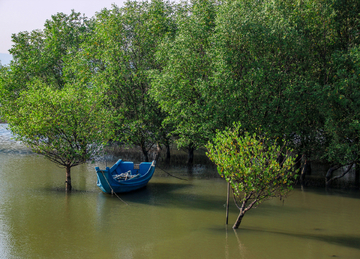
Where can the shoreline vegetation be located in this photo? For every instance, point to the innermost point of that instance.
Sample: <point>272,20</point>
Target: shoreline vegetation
<point>205,168</point>
<point>152,72</point>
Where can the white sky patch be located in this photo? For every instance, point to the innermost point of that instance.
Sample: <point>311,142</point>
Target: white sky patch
<point>25,15</point>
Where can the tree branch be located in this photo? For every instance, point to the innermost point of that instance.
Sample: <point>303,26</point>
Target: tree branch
<point>328,181</point>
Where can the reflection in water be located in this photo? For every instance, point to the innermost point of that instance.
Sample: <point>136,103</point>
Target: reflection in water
<point>241,246</point>
<point>170,218</point>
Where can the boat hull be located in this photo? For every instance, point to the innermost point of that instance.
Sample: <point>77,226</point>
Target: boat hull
<point>107,183</point>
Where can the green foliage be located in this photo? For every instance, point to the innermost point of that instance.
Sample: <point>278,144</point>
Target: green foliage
<point>289,68</point>
<point>342,108</point>
<point>256,167</point>
<point>67,126</point>
<point>335,52</point>
<point>120,55</point>
<point>43,54</point>
<point>274,65</point>
<point>47,108</point>
<point>262,64</point>
<point>182,86</point>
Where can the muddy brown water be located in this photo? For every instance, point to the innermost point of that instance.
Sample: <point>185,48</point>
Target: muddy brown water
<point>170,218</point>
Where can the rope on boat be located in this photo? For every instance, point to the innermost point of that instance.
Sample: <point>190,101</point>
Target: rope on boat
<point>171,174</point>
<point>112,191</point>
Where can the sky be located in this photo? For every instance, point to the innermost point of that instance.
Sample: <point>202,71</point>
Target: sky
<point>28,15</point>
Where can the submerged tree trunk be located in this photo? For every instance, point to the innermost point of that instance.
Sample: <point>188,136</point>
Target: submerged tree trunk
<point>227,203</point>
<point>328,177</point>
<point>238,220</point>
<point>167,145</point>
<point>242,211</point>
<point>245,206</point>
<point>330,172</point>
<point>191,150</point>
<point>68,186</point>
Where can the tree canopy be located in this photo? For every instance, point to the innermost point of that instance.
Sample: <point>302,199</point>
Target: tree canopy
<point>282,66</point>
<point>122,50</point>
<point>185,71</point>
<point>68,126</point>
<point>257,167</point>
<point>54,112</point>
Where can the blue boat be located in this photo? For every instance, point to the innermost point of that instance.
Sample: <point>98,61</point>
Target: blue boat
<point>124,176</point>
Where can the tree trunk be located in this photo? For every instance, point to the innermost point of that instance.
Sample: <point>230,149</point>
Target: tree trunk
<point>306,170</point>
<point>308,167</point>
<point>167,151</point>
<point>145,152</point>
<point>239,219</point>
<point>190,153</point>
<point>328,177</point>
<point>158,150</point>
<point>330,172</point>
<point>68,186</point>
<point>146,155</point>
<point>227,203</point>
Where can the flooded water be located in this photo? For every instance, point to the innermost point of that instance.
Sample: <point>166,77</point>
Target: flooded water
<point>170,218</point>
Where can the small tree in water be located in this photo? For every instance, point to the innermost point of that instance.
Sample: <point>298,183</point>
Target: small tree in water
<point>256,167</point>
<point>68,126</point>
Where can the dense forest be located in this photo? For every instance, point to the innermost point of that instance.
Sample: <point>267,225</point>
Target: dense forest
<point>153,72</point>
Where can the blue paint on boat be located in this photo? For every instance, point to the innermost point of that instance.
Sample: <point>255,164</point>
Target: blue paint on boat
<point>141,174</point>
